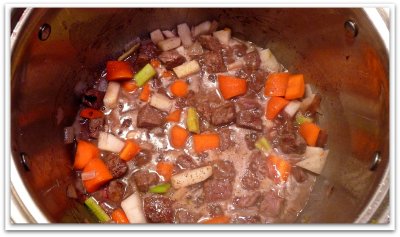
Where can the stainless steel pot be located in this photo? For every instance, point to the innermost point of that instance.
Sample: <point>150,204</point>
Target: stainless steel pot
<point>340,52</point>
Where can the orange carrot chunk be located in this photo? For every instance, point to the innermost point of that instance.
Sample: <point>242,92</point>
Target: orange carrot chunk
<point>119,216</point>
<point>295,88</point>
<point>274,106</point>
<point>309,131</point>
<point>217,220</point>
<point>91,113</point>
<point>85,152</point>
<point>129,86</point>
<point>279,167</point>
<point>165,169</point>
<point>230,86</point>
<point>155,63</point>
<point>178,136</point>
<point>130,150</point>
<point>119,70</point>
<point>205,141</point>
<point>179,88</point>
<point>101,177</point>
<point>145,94</point>
<point>276,84</point>
<point>174,116</point>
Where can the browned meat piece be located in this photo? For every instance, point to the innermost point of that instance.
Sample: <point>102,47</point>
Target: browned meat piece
<point>185,162</point>
<point>204,102</point>
<point>271,205</point>
<point>185,217</point>
<point>257,80</point>
<point>252,60</point>
<point>209,42</point>
<point>142,158</point>
<point>158,209</point>
<point>147,51</point>
<point>116,191</point>
<point>223,169</point>
<point>299,174</point>
<point>258,164</point>
<point>95,126</point>
<point>239,49</point>
<point>322,139</point>
<point>212,62</point>
<point>126,123</point>
<point>171,59</point>
<point>93,98</point>
<point>225,138</point>
<point>250,180</point>
<point>246,220</point>
<point>144,179</point>
<point>249,114</point>
<point>223,115</point>
<point>288,140</point>
<point>250,140</point>
<point>149,117</point>
<point>116,166</point>
<point>215,209</point>
<point>247,201</point>
<point>217,190</point>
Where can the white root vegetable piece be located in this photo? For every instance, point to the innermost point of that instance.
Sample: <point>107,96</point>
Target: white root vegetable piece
<point>236,65</point>
<point>168,34</point>
<point>181,50</point>
<point>315,159</point>
<point>133,209</point>
<point>307,102</point>
<point>156,36</point>
<point>169,44</point>
<point>268,61</point>
<point>109,142</point>
<point>187,69</point>
<point>308,90</point>
<point>292,108</point>
<point>185,34</point>
<point>190,177</point>
<point>161,102</point>
<point>223,36</point>
<point>202,28</point>
<point>111,97</point>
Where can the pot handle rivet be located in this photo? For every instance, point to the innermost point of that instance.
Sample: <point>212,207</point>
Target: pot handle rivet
<point>44,32</point>
<point>351,28</point>
<point>375,161</point>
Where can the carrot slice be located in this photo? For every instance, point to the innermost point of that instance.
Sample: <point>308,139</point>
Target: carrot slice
<point>205,141</point>
<point>165,169</point>
<point>295,88</point>
<point>130,150</point>
<point>174,116</point>
<point>91,113</point>
<point>167,74</point>
<point>145,94</point>
<point>276,84</point>
<point>217,220</point>
<point>178,136</point>
<point>85,152</point>
<point>179,88</point>
<point>102,175</point>
<point>231,86</point>
<point>119,216</point>
<point>279,167</point>
<point>155,63</point>
<point>309,131</point>
<point>274,106</point>
<point>129,86</point>
<point>119,70</point>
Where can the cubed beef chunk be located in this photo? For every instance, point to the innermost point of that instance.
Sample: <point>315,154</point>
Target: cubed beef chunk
<point>212,62</point>
<point>204,102</point>
<point>239,50</point>
<point>217,190</point>
<point>252,60</point>
<point>223,169</point>
<point>143,157</point>
<point>185,217</point>
<point>288,140</point>
<point>209,42</point>
<point>185,162</point>
<point>247,201</point>
<point>249,114</point>
<point>147,51</point>
<point>258,164</point>
<point>144,179</point>
<point>158,209</point>
<point>93,98</point>
<point>250,180</point>
<point>171,59</point>
<point>256,81</point>
<point>223,115</point>
<point>116,166</point>
<point>215,209</point>
<point>225,138</point>
<point>95,126</point>
<point>250,139</point>
<point>246,219</point>
<point>149,117</point>
<point>299,174</point>
<point>271,204</point>
<point>116,191</point>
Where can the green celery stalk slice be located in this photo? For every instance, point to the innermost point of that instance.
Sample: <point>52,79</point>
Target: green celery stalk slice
<point>97,210</point>
<point>161,188</point>
<point>145,74</point>
<point>193,120</point>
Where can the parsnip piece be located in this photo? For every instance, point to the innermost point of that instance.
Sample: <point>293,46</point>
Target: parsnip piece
<point>187,69</point>
<point>190,177</point>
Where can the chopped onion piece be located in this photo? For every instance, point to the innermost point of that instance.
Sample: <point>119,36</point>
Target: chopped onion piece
<point>268,61</point>
<point>190,177</point>
<point>307,90</point>
<point>156,36</point>
<point>168,34</point>
<point>88,175</point>
<point>292,108</point>
<point>315,159</point>
<point>307,102</point>
<point>185,34</point>
<point>111,97</point>
<point>161,102</point>
<point>133,208</point>
<point>109,142</point>
<point>169,44</point>
<point>202,28</point>
<point>187,69</point>
<point>223,36</point>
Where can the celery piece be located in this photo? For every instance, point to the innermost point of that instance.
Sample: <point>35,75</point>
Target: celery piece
<point>145,74</point>
<point>193,120</point>
<point>300,119</point>
<point>97,210</point>
<point>161,188</point>
<point>263,145</point>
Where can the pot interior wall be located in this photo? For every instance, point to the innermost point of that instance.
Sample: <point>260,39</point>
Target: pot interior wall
<point>351,73</point>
